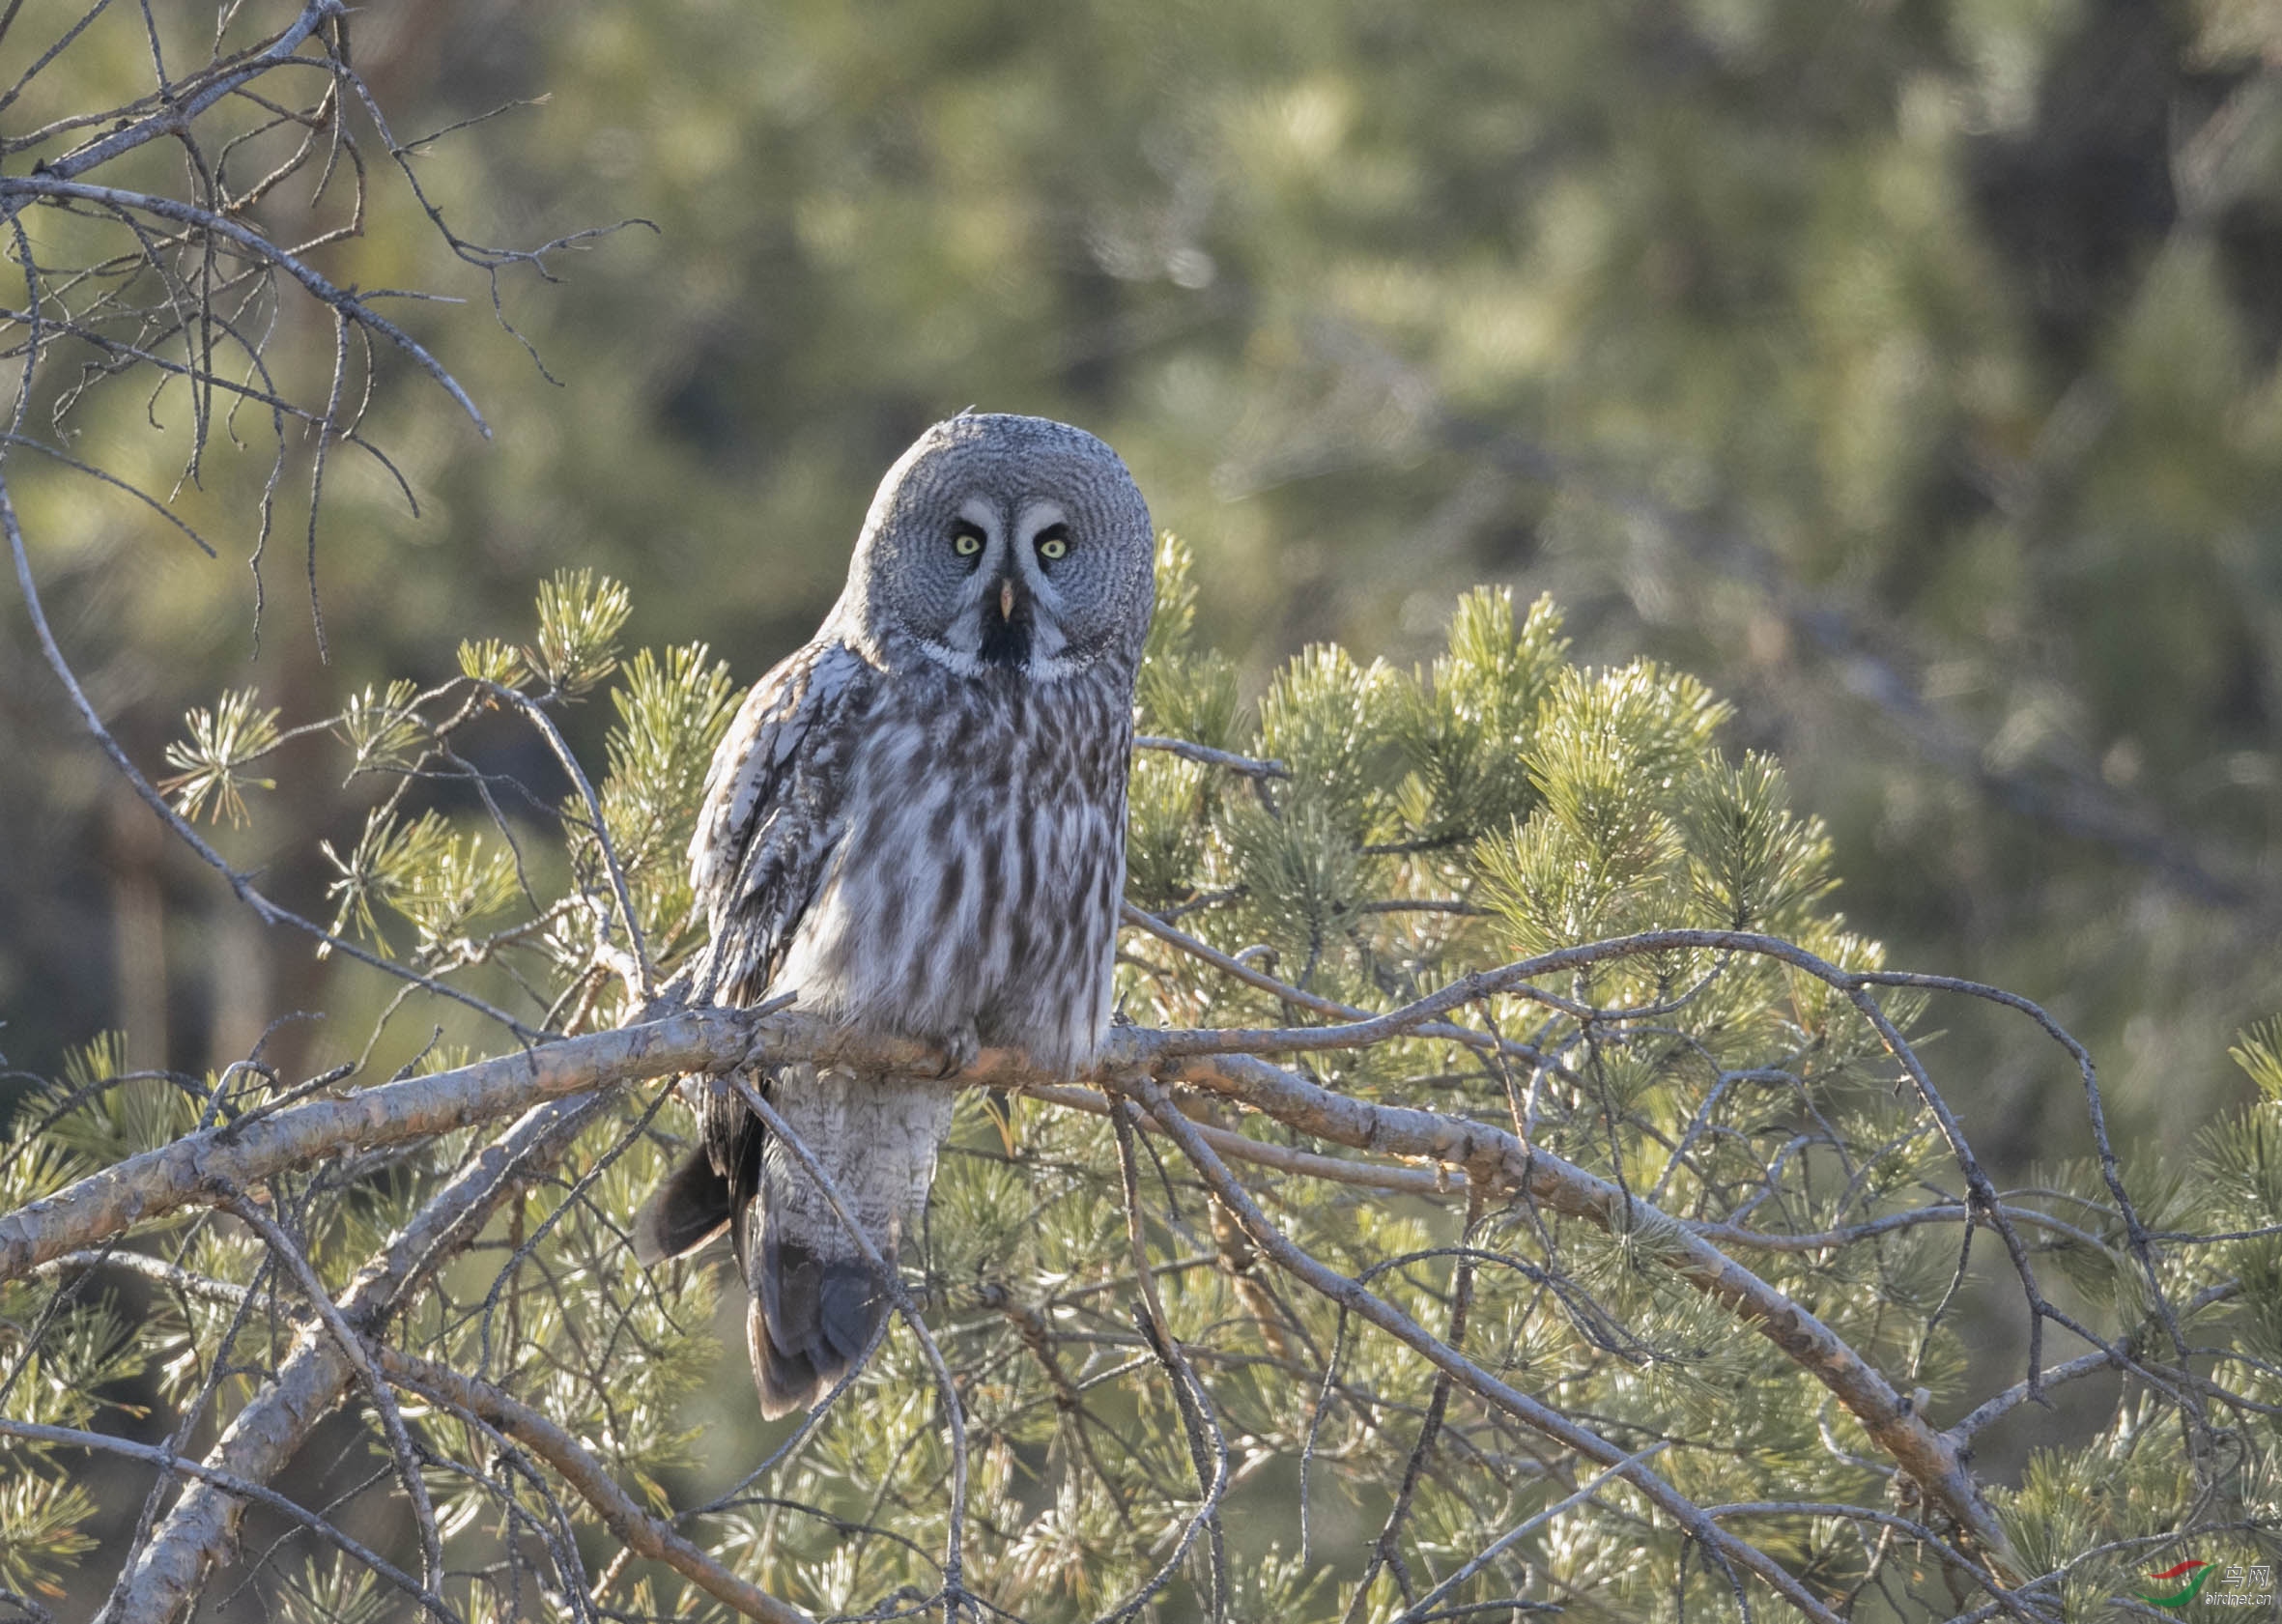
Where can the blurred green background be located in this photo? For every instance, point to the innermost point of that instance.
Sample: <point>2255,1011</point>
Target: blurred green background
<point>1904,368</point>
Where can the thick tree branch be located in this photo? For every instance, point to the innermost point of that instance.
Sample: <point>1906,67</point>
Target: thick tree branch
<point>187,1171</point>
<point>195,1169</point>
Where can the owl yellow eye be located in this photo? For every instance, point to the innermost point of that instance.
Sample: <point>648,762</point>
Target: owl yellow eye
<point>966,541</point>
<point>1053,543</point>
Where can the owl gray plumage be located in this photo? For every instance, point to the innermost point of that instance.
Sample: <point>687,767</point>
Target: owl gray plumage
<point>917,824</point>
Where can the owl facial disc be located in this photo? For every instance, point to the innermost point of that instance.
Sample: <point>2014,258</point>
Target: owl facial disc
<point>1004,546</point>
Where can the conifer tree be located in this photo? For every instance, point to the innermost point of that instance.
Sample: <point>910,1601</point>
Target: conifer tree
<point>1510,1187</point>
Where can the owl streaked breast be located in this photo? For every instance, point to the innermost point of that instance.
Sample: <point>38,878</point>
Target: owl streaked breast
<point>972,898</point>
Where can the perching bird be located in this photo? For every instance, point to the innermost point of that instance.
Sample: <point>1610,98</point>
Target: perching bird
<point>917,824</point>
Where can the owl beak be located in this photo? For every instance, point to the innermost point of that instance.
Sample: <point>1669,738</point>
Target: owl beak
<point>1006,640</point>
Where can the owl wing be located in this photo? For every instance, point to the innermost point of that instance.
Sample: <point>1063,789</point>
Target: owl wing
<point>768,826</point>
<point>766,835</point>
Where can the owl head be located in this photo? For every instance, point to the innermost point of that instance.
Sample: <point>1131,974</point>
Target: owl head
<point>1004,543</point>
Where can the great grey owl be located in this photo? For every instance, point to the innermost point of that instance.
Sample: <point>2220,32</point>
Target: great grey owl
<point>917,824</point>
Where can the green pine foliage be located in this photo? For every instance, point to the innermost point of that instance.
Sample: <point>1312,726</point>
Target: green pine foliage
<point>1369,834</point>
<point>224,741</point>
<point>579,619</point>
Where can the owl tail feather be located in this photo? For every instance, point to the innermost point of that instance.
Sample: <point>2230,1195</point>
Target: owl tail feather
<point>692,1206</point>
<point>812,1316</point>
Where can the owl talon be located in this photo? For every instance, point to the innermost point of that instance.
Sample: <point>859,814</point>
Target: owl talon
<point>670,1000</point>
<point>959,1049</point>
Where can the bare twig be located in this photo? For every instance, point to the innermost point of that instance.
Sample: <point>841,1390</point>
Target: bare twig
<point>646,981</point>
<point>1212,757</point>
<point>1423,1608</point>
<point>1208,1445</point>
<point>15,190</point>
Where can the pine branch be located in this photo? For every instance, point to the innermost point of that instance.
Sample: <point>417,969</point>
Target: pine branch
<point>266,1433</point>
<point>641,1533</point>
<point>200,1167</point>
<point>1502,1162</point>
<point>1368,1305</point>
